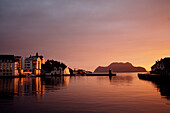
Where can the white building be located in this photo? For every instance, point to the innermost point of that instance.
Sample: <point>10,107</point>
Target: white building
<point>59,71</point>
<point>32,66</point>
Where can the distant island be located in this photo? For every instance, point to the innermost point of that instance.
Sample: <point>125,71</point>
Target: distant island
<point>120,67</point>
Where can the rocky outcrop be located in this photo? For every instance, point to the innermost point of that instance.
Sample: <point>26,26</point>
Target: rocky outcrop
<point>120,67</point>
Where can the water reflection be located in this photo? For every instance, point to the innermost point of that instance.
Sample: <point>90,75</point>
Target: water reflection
<point>163,86</point>
<point>89,94</point>
<point>56,83</point>
<point>10,87</point>
<point>116,80</point>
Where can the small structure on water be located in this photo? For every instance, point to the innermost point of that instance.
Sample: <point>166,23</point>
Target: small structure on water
<point>110,72</point>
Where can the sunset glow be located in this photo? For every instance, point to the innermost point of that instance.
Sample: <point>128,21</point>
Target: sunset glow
<point>87,34</point>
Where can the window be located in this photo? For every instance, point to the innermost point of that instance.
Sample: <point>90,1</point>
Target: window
<point>39,65</point>
<point>4,66</point>
<point>11,65</point>
<point>7,66</point>
<point>1,66</point>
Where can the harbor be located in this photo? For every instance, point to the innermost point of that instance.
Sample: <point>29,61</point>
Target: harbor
<point>90,94</point>
<point>160,71</point>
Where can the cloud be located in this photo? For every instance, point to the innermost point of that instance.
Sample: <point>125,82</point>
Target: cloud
<point>83,27</point>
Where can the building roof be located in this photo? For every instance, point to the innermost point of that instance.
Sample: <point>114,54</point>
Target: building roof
<point>17,57</point>
<point>36,56</point>
<point>6,57</point>
<point>165,61</point>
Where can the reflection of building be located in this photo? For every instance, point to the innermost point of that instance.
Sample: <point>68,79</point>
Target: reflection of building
<point>164,88</point>
<point>37,86</point>
<point>8,65</point>
<point>121,80</point>
<point>66,80</point>
<point>161,67</point>
<point>56,83</point>
<point>31,85</point>
<point>20,86</point>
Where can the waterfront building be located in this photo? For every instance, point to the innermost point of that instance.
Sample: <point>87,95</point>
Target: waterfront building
<point>67,70</point>
<point>52,67</point>
<point>19,66</point>
<point>40,56</point>
<point>161,66</point>
<point>32,66</point>
<point>9,65</point>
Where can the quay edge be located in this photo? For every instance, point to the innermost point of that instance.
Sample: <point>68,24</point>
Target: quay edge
<point>153,77</point>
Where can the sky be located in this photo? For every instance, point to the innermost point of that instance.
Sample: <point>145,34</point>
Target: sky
<point>87,33</point>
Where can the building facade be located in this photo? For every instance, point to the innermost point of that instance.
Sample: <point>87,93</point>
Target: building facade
<point>8,66</point>
<point>161,67</point>
<point>11,65</point>
<point>32,64</point>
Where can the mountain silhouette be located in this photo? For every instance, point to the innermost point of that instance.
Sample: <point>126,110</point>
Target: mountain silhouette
<point>120,67</point>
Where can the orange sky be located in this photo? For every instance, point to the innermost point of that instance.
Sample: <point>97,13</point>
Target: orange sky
<point>86,34</point>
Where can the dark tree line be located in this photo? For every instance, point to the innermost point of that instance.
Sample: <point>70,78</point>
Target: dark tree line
<point>50,64</point>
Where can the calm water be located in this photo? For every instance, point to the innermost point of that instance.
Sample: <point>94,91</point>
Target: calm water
<point>120,94</point>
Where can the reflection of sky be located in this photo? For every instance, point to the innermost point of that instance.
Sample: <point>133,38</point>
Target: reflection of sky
<point>92,94</point>
<point>112,30</point>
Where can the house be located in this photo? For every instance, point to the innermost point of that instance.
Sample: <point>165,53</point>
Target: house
<point>32,66</point>
<point>40,56</point>
<point>52,67</point>
<point>8,65</point>
<point>11,65</point>
<point>161,66</point>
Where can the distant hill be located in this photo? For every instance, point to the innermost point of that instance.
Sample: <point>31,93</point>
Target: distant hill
<point>120,67</point>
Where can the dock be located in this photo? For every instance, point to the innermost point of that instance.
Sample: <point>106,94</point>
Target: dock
<point>93,74</point>
<point>154,77</point>
<point>89,74</point>
<point>59,75</point>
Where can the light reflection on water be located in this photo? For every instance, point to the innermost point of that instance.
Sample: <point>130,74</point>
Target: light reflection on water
<point>122,93</point>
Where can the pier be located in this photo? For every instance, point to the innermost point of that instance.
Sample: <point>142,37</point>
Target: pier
<point>154,77</point>
<point>100,74</point>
